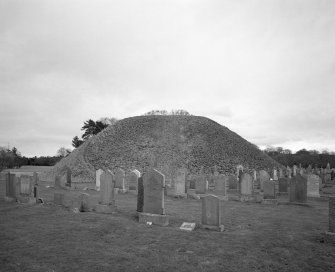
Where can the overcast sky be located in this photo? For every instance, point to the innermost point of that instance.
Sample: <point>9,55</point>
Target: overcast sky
<point>263,68</point>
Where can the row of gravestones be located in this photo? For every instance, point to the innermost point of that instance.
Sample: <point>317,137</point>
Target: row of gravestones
<point>21,188</point>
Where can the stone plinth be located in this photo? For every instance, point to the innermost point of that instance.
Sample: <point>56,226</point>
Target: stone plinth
<point>270,201</point>
<point>156,219</point>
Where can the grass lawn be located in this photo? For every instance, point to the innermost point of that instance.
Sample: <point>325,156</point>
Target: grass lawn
<point>257,238</point>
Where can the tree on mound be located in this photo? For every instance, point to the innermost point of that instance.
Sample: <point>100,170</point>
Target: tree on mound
<point>164,112</point>
<point>91,128</point>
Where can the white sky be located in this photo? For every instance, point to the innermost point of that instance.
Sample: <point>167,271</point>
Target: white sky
<point>263,68</point>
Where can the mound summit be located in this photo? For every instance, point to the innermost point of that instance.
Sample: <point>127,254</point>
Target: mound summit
<point>165,142</point>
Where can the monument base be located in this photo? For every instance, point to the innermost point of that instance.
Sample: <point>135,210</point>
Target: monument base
<point>216,228</point>
<point>270,201</point>
<point>9,199</point>
<point>251,198</point>
<point>26,199</point>
<point>156,219</point>
<point>330,237</point>
<point>101,208</point>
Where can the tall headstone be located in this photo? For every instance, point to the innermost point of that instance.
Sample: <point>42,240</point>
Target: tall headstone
<point>120,179</point>
<point>153,199</point>
<point>107,194</point>
<point>58,182</point>
<point>269,191</point>
<point>283,185</point>
<point>133,179</point>
<point>212,211</point>
<point>239,171</point>
<point>298,189</point>
<point>295,170</point>
<point>35,178</point>
<point>153,183</point>
<point>332,214</point>
<point>232,182</point>
<point>180,182</point>
<point>11,187</point>
<point>281,174</point>
<point>263,176</point>
<point>97,178</point>
<point>289,172</point>
<point>313,185</point>
<point>140,194</point>
<point>68,177</point>
<point>220,188</point>
<point>246,185</point>
<point>275,175</point>
<point>200,184</point>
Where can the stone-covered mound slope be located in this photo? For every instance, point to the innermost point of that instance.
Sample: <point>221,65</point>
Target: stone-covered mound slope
<point>164,142</point>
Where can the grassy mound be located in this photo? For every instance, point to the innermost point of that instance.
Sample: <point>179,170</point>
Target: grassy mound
<point>166,142</point>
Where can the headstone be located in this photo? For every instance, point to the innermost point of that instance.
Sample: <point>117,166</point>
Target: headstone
<point>289,172</point>
<point>57,182</point>
<point>298,189</point>
<point>68,177</point>
<point>269,189</point>
<point>211,211</point>
<point>35,178</point>
<point>97,178</point>
<point>120,179</point>
<point>107,188</point>
<point>263,176</point>
<point>140,194</point>
<point>313,185</point>
<point>11,187</point>
<point>192,184</point>
<point>295,169</point>
<point>26,185</point>
<point>283,185</point>
<point>220,185</point>
<point>275,176</point>
<point>200,184</point>
<point>332,214</point>
<point>153,183</point>
<point>133,179</point>
<point>246,185</point>
<point>232,181</point>
<point>239,171</point>
<point>281,174</point>
<point>180,182</point>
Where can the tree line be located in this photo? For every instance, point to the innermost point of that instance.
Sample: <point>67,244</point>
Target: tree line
<point>304,157</point>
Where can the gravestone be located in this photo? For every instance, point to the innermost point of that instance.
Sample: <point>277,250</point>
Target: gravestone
<point>26,190</point>
<point>239,171</point>
<point>200,184</point>
<point>57,182</point>
<point>295,169</point>
<point>120,179</point>
<point>246,184</point>
<point>11,187</point>
<point>212,212</point>
<point>263,176</point>
<point>313,185</point>
<point>289,172</point>
<point>97,178</point>
<point>133,179</point>
<point>107,193</point>
<point>220,186</point>
<point>35,178</point>
<point>232,181</point>
<point>269,189</point>
<point>283,185</point>
<point>140,194</point>
<point>330,234</point>
<point>275,176</point>
<point>281,174</point>
<point>298,189</point>
<point>153,200</point>
<point>68,177</point>
<point>192,184</point>
<point>179,189</point>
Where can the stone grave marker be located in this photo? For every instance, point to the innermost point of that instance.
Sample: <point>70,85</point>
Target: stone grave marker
<point>200,184</point>
<point>68,177</point>
<point>263,176</point>
<point>220,188</point>
<point>97,178</point>
<point>26,192</point>
<point>107,194</point>
<point>313,185</point>
<point>120,179</point>
<point>180,182</point>
<point>298,189</point>
<point>11,187</point>
<point>58,182</point>
<point>269,189</point>
<point>330,234</point>
<point>212,212</point>
<point>295,170</point>
<point>133,179</point>
<point>140,194</point>
<point>232,181</point>
<point>246,185</point>
<point>281,174</point>
<point>35,178</point>
<point>275,175</point>
<point>283,185</point>
<point>187,226</point>
<point>153,200</point>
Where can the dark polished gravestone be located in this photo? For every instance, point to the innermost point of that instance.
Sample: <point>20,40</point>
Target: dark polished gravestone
<point>298,189</point>
<point>153,199</point>
<point>140,194</point>
<point>283,185</point>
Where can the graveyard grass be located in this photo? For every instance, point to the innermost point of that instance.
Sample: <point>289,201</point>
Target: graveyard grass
<point>256,238</point>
